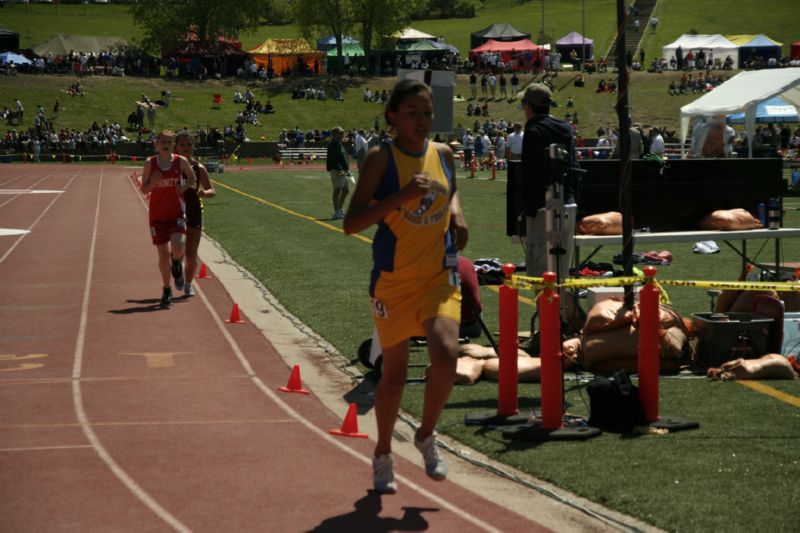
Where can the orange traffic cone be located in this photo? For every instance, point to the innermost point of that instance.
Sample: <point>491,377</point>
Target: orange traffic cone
<point>294,384</point>
<point>235,318</point>
<point>350,425</point>
<point>203,272</point>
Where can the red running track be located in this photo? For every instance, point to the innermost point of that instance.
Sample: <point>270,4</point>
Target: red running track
<point>116,415</point>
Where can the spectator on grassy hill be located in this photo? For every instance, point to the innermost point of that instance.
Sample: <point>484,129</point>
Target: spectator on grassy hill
<point>654,24</point>
<point>20,110</point>
<point>151,115</point>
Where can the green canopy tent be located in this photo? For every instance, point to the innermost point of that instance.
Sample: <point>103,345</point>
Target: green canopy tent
<point>352,54</point>
<point>424,49</point>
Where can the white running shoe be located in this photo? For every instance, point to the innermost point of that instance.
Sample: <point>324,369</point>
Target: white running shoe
<point>383,474</point>
<point>188,290</point>
<point>435,467</point>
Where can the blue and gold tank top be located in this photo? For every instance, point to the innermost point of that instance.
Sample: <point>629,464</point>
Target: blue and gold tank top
<point>414,240</point>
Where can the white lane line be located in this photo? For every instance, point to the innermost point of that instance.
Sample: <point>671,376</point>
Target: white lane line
<point>19,177</point>
<point>23,191</point>
<point>46,209</point>
<point>77,396</point>
<point>30,191</point>
<point>6,232</point>
<point>45,448</point>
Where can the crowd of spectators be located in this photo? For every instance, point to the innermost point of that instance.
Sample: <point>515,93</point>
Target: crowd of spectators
<point>44,138</point>
<point>689,83</point>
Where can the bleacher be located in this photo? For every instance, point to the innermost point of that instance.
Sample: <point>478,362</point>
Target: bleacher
<point>210,158</point>
<point>303,155</point>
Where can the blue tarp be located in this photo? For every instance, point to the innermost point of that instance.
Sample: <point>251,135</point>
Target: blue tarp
<point>772,110</point>
<point>11,57</point>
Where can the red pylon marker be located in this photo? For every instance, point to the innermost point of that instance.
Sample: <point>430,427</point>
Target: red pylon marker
<point>235,318</point>
<point>350,425</point>
<point>294,384</point>
<point>203,272</point>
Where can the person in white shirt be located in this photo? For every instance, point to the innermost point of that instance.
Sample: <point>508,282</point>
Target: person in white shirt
<point>468,142</point>
<point>514,144</point>
<point>656,142</point>
<point>728,139</point>
<point>361,146</point>
<point>500,146</point>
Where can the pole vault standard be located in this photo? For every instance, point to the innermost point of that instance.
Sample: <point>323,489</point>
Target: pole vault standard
<point>552,423</point>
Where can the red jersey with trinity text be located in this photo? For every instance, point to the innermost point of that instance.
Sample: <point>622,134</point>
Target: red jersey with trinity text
<point>165,201</point>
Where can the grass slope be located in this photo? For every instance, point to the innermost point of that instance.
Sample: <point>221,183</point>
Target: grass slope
<point>113,99</point>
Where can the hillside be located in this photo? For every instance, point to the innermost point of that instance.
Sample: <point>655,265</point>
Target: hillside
<point>113,99</point>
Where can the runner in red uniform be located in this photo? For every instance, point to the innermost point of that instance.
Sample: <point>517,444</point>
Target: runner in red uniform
<point>165,178</point>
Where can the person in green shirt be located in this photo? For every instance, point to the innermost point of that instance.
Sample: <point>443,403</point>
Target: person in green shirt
<point>338,165</point>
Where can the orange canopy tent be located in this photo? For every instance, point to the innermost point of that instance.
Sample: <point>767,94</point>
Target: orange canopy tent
<point>286,53</point>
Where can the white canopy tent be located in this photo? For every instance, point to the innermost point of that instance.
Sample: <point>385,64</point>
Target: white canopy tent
<point>410,34</point>
<point>718,44</point>
<point>743,93</point>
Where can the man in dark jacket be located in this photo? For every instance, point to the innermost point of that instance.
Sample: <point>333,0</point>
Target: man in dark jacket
<point>542,130</point>
<point>338,165</point>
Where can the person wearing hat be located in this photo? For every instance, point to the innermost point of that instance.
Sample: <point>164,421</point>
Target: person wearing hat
<point>338,165</point>
<point>542,130</point>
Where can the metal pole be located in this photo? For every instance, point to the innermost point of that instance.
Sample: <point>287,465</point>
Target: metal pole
<point>625,186</point>
<point>583,33</point>
<point>542,34</point>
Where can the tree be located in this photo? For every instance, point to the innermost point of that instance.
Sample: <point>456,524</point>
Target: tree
<point>165,24</point>
<point>333,16</point>
<point>379,19</point>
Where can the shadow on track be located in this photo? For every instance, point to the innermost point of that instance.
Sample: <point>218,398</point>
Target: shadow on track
<point>365,518</point>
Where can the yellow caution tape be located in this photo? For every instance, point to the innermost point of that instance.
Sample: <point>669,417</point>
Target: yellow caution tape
<point>524,282</point>
<point>780,286</point>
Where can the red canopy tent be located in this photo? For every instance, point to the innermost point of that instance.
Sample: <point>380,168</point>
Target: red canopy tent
<point>507,49</point>
<point>795,50</point>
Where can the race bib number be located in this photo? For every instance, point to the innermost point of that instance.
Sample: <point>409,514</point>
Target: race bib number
<point>378,309</point>
<point>454,278</point>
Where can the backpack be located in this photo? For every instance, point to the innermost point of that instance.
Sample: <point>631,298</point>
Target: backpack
<point>614,404</point>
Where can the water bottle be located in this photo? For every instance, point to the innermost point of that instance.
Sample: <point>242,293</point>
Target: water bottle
<point>762,214</point>
<point>774,213</point>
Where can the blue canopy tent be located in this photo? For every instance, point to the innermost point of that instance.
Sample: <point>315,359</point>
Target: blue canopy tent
<point>773,110</point>
<point>11,57</point>
<point>761,46</point>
